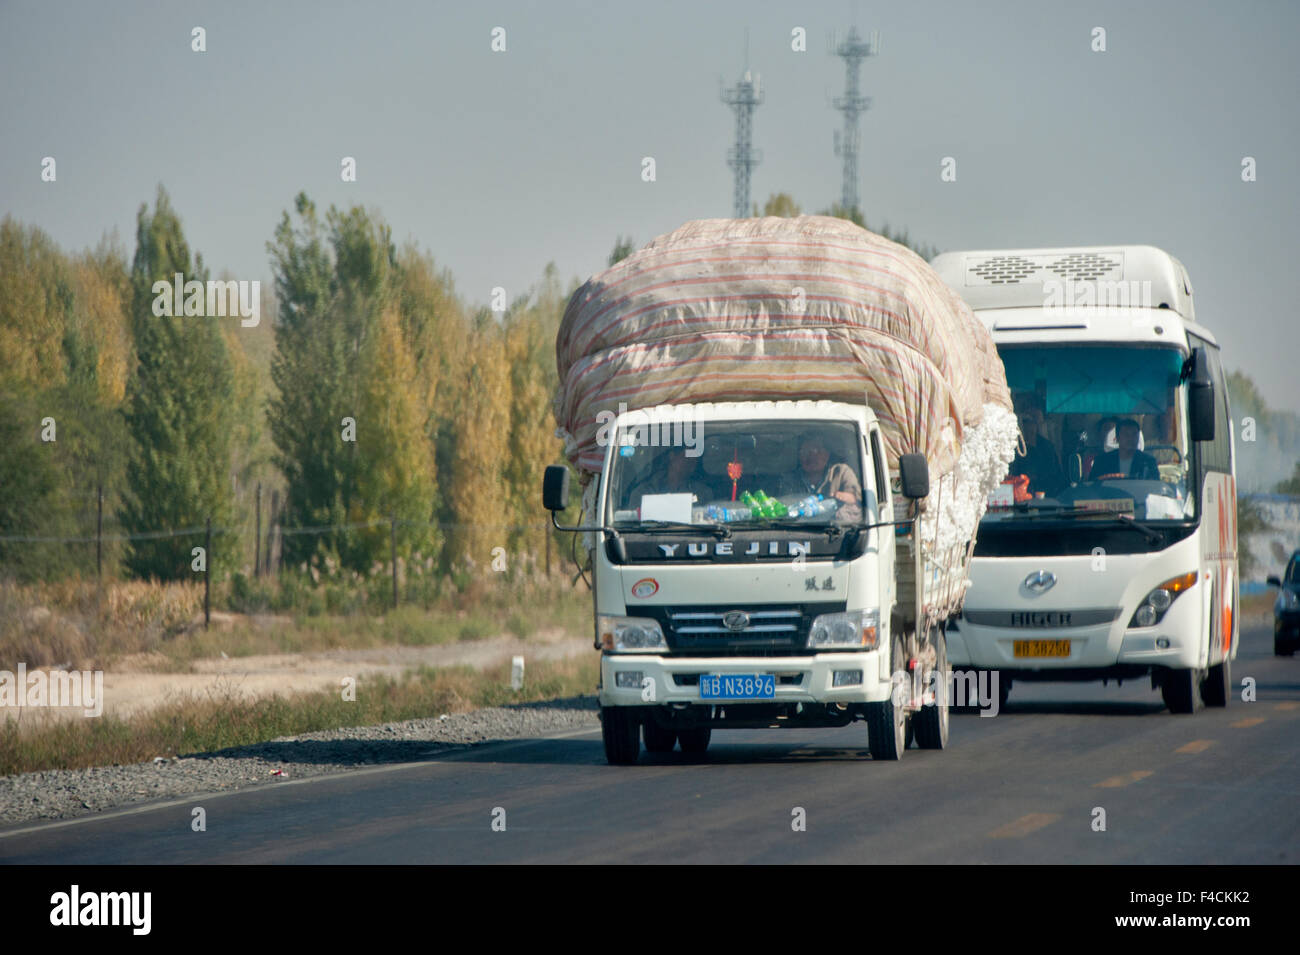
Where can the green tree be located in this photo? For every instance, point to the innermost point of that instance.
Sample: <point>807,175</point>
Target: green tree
<point>1250,521</point>
<point>779,204</point>
<point>334,280</point>
<point>64,337</point>
<point>180,410</point>
<point>854,215</point>
<point>1292,484</point>
<point>623,247</point>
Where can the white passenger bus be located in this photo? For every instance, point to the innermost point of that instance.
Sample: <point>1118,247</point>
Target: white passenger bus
<point>1111,550</point>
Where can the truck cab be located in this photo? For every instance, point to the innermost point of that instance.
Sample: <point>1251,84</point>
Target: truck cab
<point>745,562</point>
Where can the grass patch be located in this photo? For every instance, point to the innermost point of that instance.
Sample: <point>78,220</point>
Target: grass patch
<point>219,721</point>
<point>87,626</point>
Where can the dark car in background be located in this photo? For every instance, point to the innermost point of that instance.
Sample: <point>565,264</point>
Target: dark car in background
<point>1286,610</point>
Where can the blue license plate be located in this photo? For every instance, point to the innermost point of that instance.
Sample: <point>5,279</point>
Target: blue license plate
<point>742,686</point>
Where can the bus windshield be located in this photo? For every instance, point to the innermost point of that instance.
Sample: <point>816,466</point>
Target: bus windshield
<point>1103,433</point>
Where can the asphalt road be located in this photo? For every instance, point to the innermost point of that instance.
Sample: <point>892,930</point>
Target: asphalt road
<point>1220,786</point>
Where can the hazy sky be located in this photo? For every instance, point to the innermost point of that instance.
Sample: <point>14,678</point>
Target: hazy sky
<point>498,163</point>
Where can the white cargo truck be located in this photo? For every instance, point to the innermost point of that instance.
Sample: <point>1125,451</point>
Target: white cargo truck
<point>786,430</point>
<point>711,612</point>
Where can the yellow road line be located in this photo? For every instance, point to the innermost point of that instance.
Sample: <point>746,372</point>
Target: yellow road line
<point>1025,825</point>
<point>1195,746</point>
<point>1116,781</point>
<point>1251,721</point>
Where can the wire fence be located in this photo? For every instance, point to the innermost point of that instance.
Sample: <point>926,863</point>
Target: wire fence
<point>268,554</point>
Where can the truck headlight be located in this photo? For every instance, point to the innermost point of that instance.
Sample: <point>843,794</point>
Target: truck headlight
<point>629,634</point>
<point>850,631</point>
<point>1153,606</point>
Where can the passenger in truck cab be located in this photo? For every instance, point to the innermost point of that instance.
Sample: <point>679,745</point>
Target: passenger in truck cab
<point>1039,462</point>
<point>1126,461</point>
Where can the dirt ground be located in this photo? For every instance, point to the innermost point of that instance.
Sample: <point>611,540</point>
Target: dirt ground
<point>134,684</point>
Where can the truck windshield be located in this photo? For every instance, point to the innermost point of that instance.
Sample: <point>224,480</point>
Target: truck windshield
<point>1104,434</point>
<point>737,472</point>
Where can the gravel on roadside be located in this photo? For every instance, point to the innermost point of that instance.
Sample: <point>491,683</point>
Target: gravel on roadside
<point>65,793</point>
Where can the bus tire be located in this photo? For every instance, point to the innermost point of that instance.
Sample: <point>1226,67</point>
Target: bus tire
<point>658,739</point>
<point>1178,688</point>
<point>1217,685</point>
<point>620,728</point>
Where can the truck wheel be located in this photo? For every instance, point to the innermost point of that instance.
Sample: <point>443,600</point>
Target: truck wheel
<point>658,739</point>
<point>932,722</point>
<point>1217,685</point>
<point>1280,649</point>
<point>1179,690</point>
<point>620,729</point>
<point>887,723</point>
<point>695,740</point>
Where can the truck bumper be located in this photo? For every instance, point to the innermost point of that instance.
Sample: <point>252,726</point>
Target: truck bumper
<point>802,679</point>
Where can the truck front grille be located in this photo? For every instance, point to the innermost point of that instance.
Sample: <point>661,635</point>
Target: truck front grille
<point>772,630</point>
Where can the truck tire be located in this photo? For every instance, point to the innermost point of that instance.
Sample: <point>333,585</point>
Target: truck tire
<point>1281,649</point>
<point>658,739</point>
<point>1178,688</point>
<point>932,722</point>
<point>620,728</point>
<point>695,740</point>
<point>887,723</point>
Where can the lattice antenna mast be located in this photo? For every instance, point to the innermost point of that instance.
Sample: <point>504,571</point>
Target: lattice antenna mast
<point>853,50</point>
<point>743,98</point>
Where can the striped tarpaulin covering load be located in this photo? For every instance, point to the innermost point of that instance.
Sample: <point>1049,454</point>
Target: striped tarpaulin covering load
<point>746,309</point>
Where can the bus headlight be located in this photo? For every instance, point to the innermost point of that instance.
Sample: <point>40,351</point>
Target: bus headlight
<point>629,634</point>
<point>843,631</point>
<point>1153,607</point>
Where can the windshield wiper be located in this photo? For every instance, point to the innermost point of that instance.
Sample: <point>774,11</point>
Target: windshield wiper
<point>832,530</point>
<point>719,531</point>
<point>1110,517</point>
<point>1128,520</point>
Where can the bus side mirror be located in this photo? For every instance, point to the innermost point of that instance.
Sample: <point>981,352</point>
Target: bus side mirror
<point>1200,398</point>
<point>914,476</point>
<point>555,488</point>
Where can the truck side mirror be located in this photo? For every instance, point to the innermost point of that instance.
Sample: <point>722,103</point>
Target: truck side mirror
<point>555,488</point>
<point>1274,581</point>
<point>1200,398</point>
<point>914,476</point>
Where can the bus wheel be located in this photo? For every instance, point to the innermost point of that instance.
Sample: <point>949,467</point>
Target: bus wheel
<point>695,740</point>
<point>931,723</point>
<point>621,730</point>
<point>1179,690</point>
<point>658,739</point>
<point>1217,685</point>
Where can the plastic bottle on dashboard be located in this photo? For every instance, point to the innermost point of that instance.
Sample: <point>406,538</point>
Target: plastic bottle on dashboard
<point>808,506</point>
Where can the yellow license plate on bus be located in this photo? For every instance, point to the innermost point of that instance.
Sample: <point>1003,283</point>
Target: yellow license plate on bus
<point>1042,648</point>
